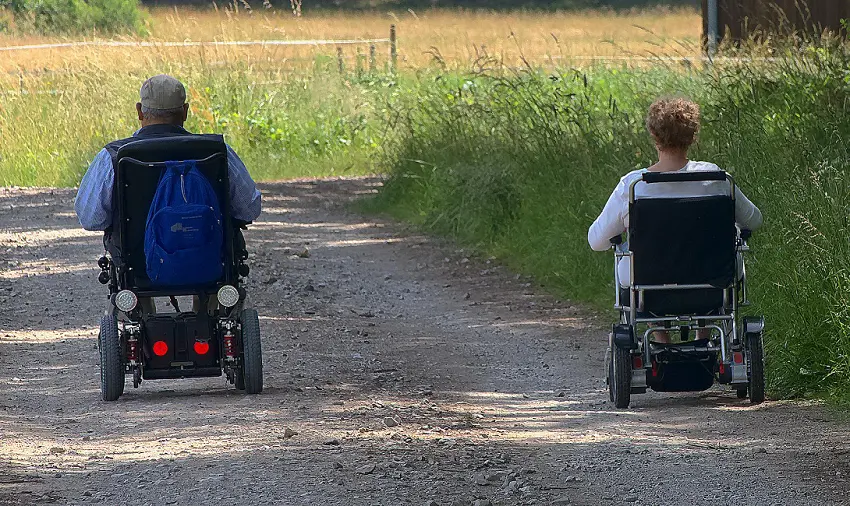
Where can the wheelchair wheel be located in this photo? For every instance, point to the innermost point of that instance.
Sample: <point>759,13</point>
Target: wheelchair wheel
<point>620,377</point>
<point>755,352</point>
<point>252,354</point>
<point>741,393</point>
<point>111,363</point>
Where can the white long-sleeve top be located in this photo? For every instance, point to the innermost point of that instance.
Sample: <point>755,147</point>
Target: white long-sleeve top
<point>614,219</point>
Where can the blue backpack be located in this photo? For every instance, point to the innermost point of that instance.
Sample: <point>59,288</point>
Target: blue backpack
<point>184,236</point>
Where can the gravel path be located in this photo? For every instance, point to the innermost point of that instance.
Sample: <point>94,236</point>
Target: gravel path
<point>399,370</point>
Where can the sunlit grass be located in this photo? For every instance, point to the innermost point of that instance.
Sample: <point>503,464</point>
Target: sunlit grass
<point>454,37</point>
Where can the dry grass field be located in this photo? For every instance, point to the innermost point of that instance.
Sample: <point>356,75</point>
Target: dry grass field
<point>285,108</point>
<point>456,37</point>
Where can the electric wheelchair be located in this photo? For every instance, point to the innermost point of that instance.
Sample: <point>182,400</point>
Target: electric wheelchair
<point>688,281</point>
<point>221,335</point>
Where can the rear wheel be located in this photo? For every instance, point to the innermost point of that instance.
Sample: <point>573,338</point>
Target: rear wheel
<point>620,376</point>
<point>252,354</point>
<point>111,363</point>
<point>755,355</point>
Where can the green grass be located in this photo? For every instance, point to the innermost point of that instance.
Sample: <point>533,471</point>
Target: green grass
<point>71,16</point>
<point>519,165</point>
<point>282,125</point>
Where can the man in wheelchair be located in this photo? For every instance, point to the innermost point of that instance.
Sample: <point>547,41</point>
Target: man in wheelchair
<point>680,271</point>
<point>172,205</point>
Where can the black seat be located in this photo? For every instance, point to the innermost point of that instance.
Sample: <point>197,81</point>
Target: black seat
<point>683,241</point>
<point>140,165</point>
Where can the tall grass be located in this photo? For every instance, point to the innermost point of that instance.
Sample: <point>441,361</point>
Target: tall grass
<point>281,125</point>
<point>520,164</point>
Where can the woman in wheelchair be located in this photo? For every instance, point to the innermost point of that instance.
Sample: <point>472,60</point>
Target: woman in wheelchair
<point>684,221</point>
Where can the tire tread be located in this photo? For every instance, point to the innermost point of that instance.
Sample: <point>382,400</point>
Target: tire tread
<point>111,363</point>
<point>252,353</point>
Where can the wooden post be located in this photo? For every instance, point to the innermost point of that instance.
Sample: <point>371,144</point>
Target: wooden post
<point>372,58</point>
<point>712,34</point>
<point>393,50</point>
<point>358,63</point>
<point>340,62</point>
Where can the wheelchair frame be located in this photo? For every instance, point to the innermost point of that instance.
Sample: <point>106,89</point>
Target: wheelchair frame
<point>203,344</point>
<point>738,345</point>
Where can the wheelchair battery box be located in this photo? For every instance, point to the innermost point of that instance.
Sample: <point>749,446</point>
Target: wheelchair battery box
<point>688,375</point>
<point>182,341</point>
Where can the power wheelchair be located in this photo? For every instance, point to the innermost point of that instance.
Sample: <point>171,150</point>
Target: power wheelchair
<point>687,280</point>
<point>221,335</point>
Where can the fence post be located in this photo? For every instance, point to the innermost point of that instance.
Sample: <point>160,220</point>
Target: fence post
<point>339,60</point>
<point>372,58</point>
<point>358,63</point>
<point>712,34</point>
<point>393,50</point>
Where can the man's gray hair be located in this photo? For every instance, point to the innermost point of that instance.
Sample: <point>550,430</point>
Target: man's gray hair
<point>162,114</point>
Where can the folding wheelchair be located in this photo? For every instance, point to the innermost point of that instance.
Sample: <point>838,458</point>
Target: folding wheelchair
<point>687,282</point>
<point>220,335</point>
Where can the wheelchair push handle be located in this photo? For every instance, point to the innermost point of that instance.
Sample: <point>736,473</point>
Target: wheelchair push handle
<point>681,177</point>
<point>616,240</point>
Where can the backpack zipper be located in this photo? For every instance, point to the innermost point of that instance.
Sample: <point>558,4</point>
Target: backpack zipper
<point>183,188</point>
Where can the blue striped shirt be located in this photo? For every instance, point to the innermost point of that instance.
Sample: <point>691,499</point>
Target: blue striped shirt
<point>94,198</point>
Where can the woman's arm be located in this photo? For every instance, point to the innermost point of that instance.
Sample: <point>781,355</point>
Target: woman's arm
<point>611,222</point>
<point>747,215</point>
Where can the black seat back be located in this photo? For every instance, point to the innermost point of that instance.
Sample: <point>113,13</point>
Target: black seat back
<point>140,166</point>
<point>684,241</point>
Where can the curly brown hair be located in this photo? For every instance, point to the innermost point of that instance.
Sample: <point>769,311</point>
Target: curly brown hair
<point>673,122</point>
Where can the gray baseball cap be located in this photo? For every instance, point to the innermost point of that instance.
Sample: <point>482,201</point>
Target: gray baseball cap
<point>163,93</point>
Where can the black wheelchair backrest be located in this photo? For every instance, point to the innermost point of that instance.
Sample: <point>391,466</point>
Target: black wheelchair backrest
<point>140,165</point>
<point>689,240</point>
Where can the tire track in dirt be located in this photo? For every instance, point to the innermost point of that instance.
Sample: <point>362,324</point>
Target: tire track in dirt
<point>399,370</point>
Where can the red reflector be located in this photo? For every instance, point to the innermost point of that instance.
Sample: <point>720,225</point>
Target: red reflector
<point>637,363</point>
<point>722,368</point>
<point>202,347</point>
<point>738,357</point>
<point>160,348</point>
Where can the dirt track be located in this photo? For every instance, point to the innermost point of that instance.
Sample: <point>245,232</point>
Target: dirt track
<point>408,372</point>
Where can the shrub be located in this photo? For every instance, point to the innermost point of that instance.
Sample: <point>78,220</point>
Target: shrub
<point>74,16</point>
